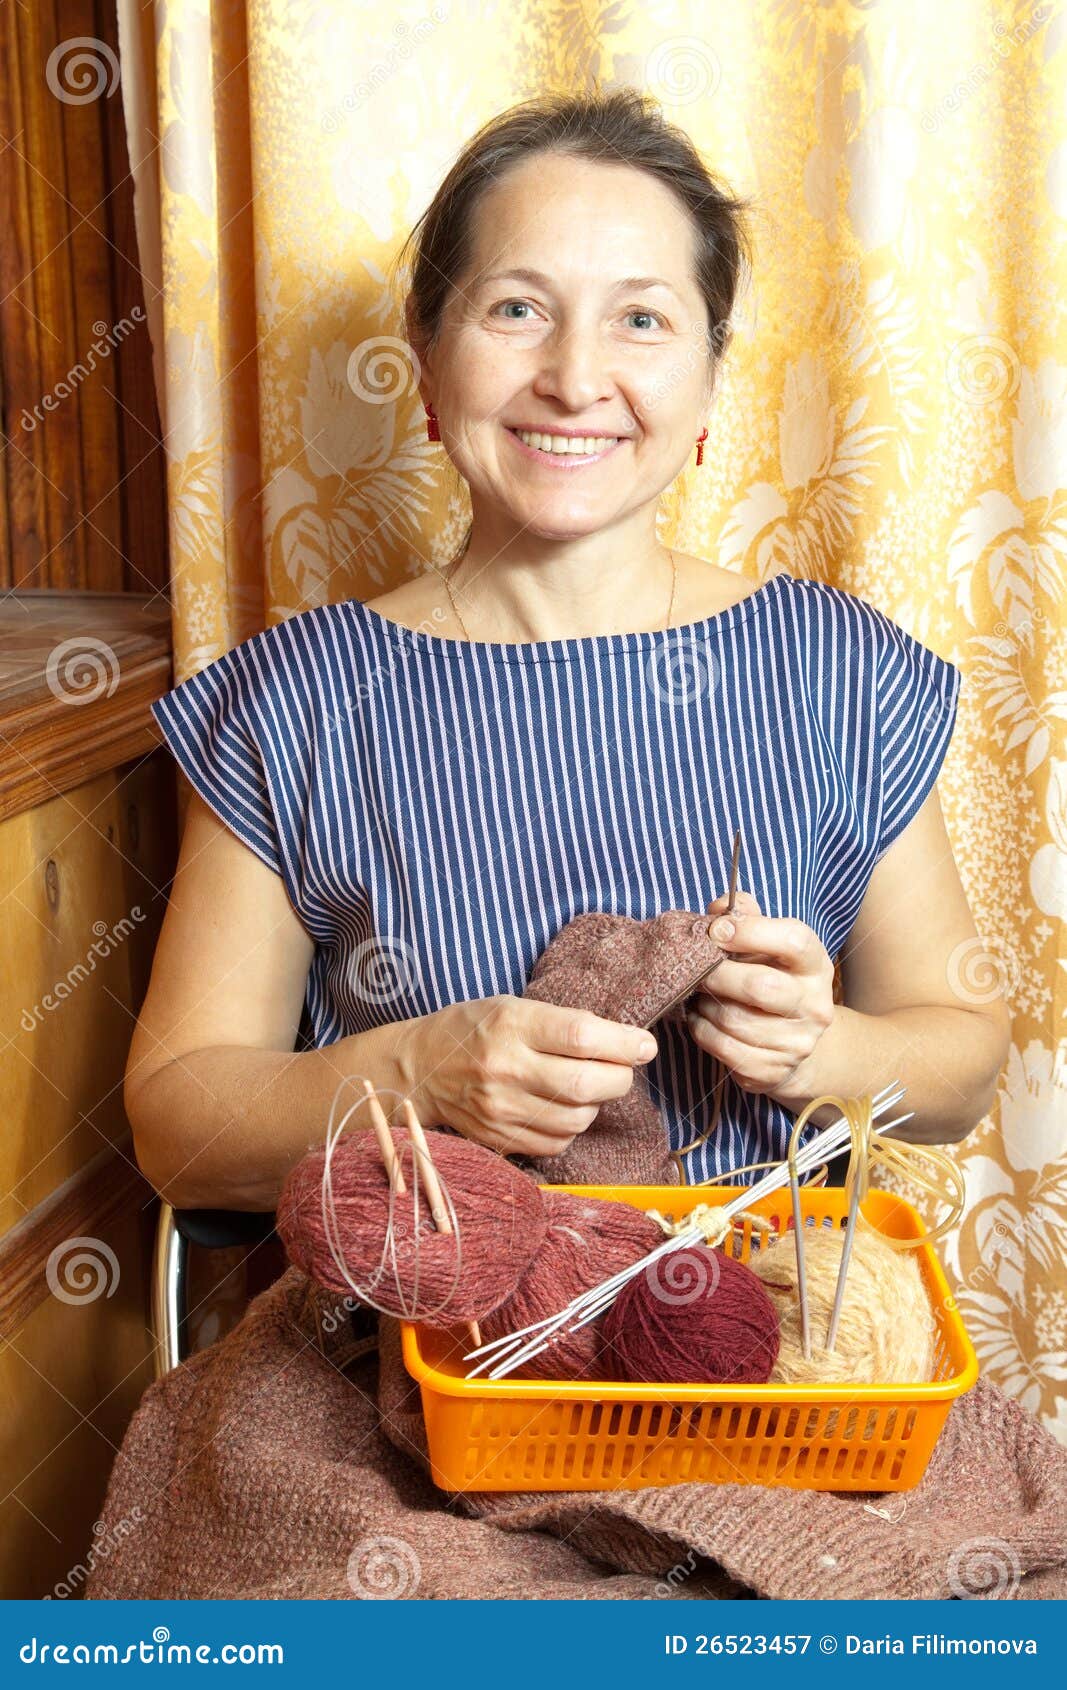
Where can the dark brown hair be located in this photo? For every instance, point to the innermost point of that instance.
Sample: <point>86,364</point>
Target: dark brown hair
<point>617,126</point>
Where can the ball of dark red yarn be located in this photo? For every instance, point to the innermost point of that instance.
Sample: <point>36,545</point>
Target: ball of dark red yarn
<point>697,1316</point>
<point>499,1208</point>
<point>588,1239</point>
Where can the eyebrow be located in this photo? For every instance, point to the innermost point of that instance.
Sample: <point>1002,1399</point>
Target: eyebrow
<point>536,279</point>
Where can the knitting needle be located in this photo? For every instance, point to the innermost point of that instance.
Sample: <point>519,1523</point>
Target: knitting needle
<point>824,1144</point>
<point>385,1139</point>
<point>548,1331</point>
<point>846,1251</point>
<point>798,1245</point>
<point>601,1296</point>
<point>733,872</point>
<point>433,1186</point>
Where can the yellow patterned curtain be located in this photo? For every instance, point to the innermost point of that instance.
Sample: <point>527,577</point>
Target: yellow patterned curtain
<point>892,418</point>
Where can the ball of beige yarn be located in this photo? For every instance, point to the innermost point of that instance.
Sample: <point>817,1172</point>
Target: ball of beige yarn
<point>885,1331</point>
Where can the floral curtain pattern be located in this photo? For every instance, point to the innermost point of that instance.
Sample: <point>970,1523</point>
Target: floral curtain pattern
<point>892,417</point>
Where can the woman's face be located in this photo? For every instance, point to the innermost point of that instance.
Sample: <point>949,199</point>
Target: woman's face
<point>578,349</point>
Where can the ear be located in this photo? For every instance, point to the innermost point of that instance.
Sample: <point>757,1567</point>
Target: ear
<point>420,362</point>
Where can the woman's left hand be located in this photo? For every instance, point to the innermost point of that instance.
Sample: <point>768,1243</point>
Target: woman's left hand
<point>764,1009</point>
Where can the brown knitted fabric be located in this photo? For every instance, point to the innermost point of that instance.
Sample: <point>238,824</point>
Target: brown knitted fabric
<point>262,1468</point>
<point>268,1466</point>
<point>632,971</point>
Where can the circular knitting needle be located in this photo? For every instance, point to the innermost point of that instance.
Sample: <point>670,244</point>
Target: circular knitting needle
<point>433,1187</point>
<point>861,1140</point>
<point>799,1245</point>
<point>385,1139</point>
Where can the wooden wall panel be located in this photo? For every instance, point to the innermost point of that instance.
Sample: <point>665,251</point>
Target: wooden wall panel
<point>71,1377</point>
<point>82,472</point>
<point>73,872</point>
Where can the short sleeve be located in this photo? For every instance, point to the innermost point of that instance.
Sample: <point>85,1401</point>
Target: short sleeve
<point>917,699</point>
<point>210,724</point>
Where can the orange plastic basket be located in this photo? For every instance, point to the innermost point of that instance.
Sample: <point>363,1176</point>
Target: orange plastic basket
<point>516,1434</point>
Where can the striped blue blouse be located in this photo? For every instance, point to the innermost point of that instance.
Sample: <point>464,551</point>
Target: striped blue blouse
<point>438,810</point>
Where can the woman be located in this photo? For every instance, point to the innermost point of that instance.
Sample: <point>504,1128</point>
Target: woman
<point>397,807</point>
<point>399,803</point>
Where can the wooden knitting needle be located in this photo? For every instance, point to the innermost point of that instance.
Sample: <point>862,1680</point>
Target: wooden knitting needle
<point>385,1138</point>
<point>433,1185</point>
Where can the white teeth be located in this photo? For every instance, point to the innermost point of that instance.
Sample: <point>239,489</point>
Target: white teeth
<point>562,444</point>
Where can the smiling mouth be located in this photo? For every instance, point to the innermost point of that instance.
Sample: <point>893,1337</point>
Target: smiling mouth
<point>549,449</point>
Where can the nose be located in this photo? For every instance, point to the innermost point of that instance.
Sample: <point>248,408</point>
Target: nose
<point>575,371</point>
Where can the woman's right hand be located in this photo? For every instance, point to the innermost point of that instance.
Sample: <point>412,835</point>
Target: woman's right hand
<point>520,1076</point>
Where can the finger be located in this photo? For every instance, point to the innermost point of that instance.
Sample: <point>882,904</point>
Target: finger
<point>744,901</point>
<point>756,986</point>
<point>779,940</point>
<point>558,1031</point>
<point>752,1027</point>
<point>751,1067</point>
<point>559,1079</point>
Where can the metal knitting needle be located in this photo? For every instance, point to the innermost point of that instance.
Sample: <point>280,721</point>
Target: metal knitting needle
<point>798,1246</point>
<point>601,1296</point>
<point>733,872</point>
<point>550,1330</point>
<point>825,1144</point>
<point>846,1251</point>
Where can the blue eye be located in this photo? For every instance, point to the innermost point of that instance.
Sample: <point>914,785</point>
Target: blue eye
<point>634,311</point>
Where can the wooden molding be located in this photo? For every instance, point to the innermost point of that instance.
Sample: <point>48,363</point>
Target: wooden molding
<point>78,672</point>
<point>81,1208</point>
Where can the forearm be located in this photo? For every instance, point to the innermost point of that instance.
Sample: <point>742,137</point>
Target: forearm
<point>221,1127</point>
<point>948,1060</point>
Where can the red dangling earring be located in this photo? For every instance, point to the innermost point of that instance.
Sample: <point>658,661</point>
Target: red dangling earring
<point>700,446</point>
<point>433,430</point>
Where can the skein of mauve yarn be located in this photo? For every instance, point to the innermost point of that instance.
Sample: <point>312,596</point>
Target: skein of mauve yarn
<point>422,1273</point>
<point>587,1240</point>
<point>696,1316</point>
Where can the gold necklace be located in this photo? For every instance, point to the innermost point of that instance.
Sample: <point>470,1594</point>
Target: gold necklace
<point>456,561</point>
